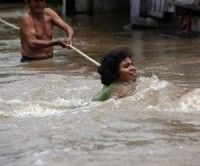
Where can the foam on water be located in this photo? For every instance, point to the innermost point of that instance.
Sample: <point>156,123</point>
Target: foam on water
<point>151,94</point>
<point>19,108</point>
<point>189,102</point>
<point>69,131</point>
<point>40,95</point>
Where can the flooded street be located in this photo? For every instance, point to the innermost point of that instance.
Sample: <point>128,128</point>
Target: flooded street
<point>46,117</point>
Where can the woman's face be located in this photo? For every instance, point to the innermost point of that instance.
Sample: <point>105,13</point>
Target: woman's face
<point>127,71</point>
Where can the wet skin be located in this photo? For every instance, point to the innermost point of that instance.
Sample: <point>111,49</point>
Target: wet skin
<point>127,70</point>
<point>36,34</point>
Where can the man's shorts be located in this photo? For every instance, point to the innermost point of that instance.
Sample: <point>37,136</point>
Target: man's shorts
<point>28,59</point>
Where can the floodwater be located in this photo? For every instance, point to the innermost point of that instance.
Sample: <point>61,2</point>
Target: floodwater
<point>46,117</point>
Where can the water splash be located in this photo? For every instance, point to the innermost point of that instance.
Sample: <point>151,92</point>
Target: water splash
<point>19,108</point>
<point>151,94</point>
<point>189,102</point>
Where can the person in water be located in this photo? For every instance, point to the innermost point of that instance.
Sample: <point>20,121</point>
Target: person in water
<point>36,27</point>
<point>117,72</point>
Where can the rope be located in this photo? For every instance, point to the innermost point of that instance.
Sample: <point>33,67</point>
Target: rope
<point>7,23</point>
<point>74,48</point>
<point>84,55</point>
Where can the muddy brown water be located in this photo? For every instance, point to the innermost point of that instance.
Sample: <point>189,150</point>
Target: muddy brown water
<point>46,117</point>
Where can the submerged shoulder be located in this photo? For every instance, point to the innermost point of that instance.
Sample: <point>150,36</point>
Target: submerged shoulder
<point>105,93</point>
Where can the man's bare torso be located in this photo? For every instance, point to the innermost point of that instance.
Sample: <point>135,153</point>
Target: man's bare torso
<point>36,28</point>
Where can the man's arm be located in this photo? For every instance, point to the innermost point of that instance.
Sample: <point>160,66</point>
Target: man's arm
<point>59,22</point>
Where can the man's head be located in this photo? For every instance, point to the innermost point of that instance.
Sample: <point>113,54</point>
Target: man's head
<point>36,6</point>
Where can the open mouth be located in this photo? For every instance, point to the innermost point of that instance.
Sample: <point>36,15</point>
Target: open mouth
<point>132,76</point>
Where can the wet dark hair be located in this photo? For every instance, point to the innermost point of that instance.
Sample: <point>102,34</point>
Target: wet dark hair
<point>109,69</point>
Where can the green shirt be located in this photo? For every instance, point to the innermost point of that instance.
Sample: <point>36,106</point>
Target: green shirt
<point>105,93</point>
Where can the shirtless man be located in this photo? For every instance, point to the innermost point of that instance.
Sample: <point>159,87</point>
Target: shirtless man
<point>36,27</point>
